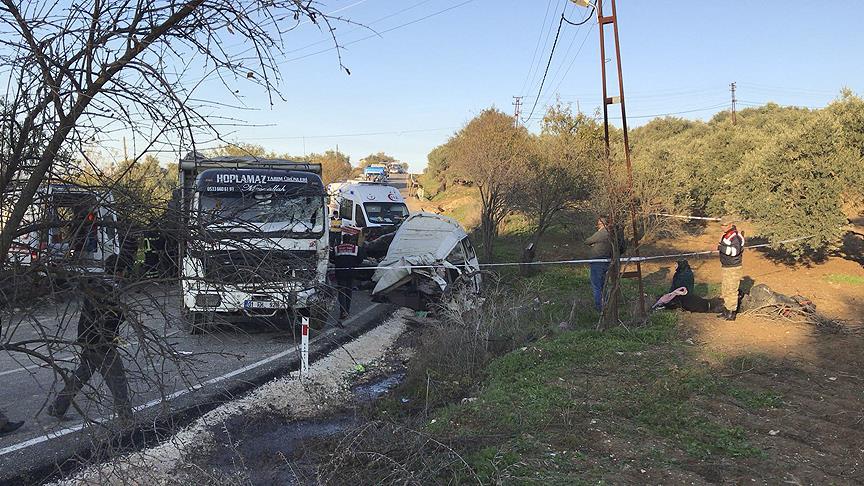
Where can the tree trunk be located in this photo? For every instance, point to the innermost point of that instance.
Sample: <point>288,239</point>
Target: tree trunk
<point>487,227</point>
<point>612,289</point>
<point>529,252</point>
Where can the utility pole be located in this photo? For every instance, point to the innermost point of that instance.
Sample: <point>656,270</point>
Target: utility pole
<point>732,89</point>
<point>125,155</point>
<point>517,109</point>
<point>611,317</point>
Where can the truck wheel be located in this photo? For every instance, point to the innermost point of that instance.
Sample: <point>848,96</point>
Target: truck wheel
<point>195,323</point>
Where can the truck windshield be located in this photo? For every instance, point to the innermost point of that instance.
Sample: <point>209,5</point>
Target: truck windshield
<point>267,212</point>
<point>385,212</point>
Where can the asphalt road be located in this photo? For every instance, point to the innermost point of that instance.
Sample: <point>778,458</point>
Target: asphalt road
<point>221,359</point>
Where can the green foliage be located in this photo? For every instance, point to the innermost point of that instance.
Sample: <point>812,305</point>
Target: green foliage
<point>335,166</point>
<point>242,149</point>
<point>791,171</point>
<point>141,188</point>
<point>795,186</point>
<point>437,175</point>
<point>379,158</point>
<point>563,168</point>
<point>845,279</point>
<point>491,152</point>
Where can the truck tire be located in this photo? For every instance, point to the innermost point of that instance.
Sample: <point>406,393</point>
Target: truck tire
<point>196,323</point>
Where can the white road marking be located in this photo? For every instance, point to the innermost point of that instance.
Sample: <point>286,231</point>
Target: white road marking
<point>31,367</point>
<point>75,428</point>
<point>41,365</point>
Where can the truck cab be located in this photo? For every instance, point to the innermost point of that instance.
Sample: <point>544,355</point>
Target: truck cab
<point>256,242</point>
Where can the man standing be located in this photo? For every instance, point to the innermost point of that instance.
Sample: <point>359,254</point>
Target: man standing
<point>731,250</point>
<point>601,248</point>
<point>347,256</point>
<point>6,426</point>
<point>98,331</point>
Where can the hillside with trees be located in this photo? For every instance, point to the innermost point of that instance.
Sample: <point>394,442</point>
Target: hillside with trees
<point>791,172</point>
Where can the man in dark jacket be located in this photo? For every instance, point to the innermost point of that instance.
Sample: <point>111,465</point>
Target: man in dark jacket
<point>347,257</point>
<point>98,331</point>
<point>601,248</point>
<point>7,426</point>
<point>731,249</point>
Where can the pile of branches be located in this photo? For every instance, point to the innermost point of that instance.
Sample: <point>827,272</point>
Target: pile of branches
<point>800,310</point>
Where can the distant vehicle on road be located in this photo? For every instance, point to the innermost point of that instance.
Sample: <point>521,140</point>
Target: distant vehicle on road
<point>257,242</point>
<point>375,173</point>
<point>373,207</point>
<point>395,168</point>
<point>73,227</point>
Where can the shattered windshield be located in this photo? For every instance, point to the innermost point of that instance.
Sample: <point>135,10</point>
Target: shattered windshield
<point>267,212</point>
<point>385,212</point>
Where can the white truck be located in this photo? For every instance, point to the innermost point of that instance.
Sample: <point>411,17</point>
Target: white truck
<point>254,240</point>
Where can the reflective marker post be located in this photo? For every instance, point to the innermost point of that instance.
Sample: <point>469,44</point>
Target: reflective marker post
<point>304,347</point>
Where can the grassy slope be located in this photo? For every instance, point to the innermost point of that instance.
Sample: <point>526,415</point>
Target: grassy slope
<point>557,410</point>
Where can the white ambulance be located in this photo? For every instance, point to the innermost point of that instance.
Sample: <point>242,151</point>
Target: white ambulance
<point>372,206</point>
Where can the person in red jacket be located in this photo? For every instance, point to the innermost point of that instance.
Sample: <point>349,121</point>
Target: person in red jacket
<point>731,249</point>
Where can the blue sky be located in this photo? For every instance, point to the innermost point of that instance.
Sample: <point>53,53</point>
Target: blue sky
<point>412,87</point>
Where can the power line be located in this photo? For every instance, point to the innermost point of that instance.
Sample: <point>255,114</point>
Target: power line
<point>543,81</point>
<point>655,115</point>
<point>572,62</point>
<point>551,54</point>
<point>536,48</point>
<point>365,27</point>
<point>378,34</point>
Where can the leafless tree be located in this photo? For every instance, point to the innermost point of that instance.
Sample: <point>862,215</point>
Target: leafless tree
<point>78,73</point>
<point>79,76</point>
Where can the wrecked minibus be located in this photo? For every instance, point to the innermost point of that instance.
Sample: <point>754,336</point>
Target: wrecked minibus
<point>429,258</point>
<point>67,226</point>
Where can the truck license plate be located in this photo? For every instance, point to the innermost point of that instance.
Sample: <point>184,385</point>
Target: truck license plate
<point>260,304</point>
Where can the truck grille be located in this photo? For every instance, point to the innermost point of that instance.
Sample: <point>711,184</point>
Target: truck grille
<point>255,267</point>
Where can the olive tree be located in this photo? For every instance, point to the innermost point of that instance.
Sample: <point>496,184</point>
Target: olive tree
<point>492,153</point>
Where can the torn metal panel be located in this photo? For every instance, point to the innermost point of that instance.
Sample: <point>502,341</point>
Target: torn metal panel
<point>429,253</point>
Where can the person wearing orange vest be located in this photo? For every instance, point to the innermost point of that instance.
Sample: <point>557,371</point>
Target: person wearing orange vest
<point>731,249</point>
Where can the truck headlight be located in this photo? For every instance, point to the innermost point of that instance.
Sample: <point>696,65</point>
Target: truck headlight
<point>207,300</point>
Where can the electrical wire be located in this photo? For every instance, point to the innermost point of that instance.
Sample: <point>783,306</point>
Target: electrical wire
<point>551,55</point>
<point>378,34</point>
<point>363,27</point>
<point>536,48</point>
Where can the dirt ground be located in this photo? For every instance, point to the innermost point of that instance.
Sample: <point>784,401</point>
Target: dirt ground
<point>816,434</point>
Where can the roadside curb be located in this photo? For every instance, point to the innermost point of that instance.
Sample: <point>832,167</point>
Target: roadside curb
<point>156,423</point>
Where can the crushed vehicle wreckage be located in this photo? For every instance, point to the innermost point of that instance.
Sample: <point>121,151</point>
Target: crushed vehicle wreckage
<point>430,261</point>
